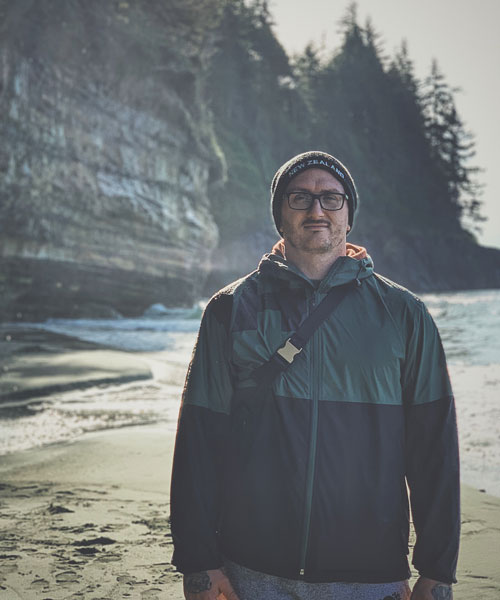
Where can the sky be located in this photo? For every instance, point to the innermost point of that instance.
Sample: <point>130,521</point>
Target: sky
<point>463,37</point>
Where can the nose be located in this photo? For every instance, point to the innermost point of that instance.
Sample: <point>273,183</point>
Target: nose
<point>316,208</point>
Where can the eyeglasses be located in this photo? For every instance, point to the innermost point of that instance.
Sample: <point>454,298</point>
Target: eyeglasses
<point>304,200</point>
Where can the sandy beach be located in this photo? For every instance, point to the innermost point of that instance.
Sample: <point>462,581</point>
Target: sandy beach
<point>88,519</point>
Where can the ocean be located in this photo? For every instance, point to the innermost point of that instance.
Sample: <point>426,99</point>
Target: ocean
<point>469,324</point>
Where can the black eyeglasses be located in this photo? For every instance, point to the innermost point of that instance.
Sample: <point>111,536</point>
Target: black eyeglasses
<point>304,200</point>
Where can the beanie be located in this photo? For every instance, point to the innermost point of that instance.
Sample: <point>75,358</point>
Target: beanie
<point>311,160</point>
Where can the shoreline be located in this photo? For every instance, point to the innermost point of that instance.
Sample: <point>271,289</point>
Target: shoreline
<point>91,517</point>
<point>36,363</point>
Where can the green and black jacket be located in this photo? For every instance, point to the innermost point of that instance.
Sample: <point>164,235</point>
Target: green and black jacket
<point>309,481</point>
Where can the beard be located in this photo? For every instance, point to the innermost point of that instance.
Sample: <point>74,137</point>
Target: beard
<point>318,242</point>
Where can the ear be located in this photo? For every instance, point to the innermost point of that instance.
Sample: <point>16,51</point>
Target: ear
<point>348,228</point>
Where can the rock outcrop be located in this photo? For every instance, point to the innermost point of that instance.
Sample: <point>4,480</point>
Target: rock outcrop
<point>105,161</point>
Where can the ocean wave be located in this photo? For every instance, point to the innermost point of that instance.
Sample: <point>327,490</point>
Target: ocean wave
<point>148,333</point>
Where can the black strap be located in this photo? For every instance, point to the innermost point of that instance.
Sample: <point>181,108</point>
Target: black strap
<point>284,356</point>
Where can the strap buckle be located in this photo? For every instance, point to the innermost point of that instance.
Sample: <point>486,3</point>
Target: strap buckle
<point>288,351</point>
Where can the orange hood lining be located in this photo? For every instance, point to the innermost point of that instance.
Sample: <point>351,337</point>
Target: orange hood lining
<point>353,251</point>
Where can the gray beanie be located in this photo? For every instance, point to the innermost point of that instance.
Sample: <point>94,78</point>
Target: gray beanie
<point>311,160</point>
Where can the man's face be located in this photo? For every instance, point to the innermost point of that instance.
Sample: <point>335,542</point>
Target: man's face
<point>315,230</point>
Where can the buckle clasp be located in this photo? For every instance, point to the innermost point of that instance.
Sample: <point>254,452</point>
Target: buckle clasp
<point>288,351</point>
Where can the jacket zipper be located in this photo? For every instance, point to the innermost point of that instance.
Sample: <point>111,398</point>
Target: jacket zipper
<point>312,452</point>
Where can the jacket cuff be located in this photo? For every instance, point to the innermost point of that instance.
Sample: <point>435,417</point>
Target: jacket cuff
<point>436,576</point>
<point>186,567</point>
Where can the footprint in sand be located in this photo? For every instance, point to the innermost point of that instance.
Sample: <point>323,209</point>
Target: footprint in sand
<point>56,509</point>
<point>109,557</point>
<point>39,582</point>
<point>472,527</point>
<point>87,551</point>
<point>151,594</point>
<point>67,577</point>
<point>127,579</point>
<point>82,528</point>
<point>113,527</point>
<point>163,579</point>
<point>86,546</point>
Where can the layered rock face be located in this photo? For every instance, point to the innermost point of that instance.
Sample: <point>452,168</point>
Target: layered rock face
<point>104,163</point>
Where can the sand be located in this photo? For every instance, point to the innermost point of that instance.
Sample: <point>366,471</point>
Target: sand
<point>89,520</point>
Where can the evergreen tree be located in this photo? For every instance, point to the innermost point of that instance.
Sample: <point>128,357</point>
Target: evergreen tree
<point>250,88</point>
<point>373,40</point>
<point>307,70</point>
<point>451,145</point>
<point>403,139</point>
<point>353,114</point>
<point>401,68</point>
<point>349,22</point>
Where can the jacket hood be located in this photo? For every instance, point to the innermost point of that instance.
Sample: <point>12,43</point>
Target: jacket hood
<point>355,265</point>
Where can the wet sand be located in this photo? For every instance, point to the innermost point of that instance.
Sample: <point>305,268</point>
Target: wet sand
<point>89,520</point>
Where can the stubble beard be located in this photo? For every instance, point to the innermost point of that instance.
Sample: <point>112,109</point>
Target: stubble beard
<point>308,243</point>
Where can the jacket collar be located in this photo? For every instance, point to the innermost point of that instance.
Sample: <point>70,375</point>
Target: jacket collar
<point>356,265</point>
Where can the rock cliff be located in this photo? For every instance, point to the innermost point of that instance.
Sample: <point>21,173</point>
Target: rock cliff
<point>105,160</point>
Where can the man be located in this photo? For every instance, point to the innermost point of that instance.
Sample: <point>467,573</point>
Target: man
<point>298,489</point>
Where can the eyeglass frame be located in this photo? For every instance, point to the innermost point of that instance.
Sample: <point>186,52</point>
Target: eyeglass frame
<point>318,196</point>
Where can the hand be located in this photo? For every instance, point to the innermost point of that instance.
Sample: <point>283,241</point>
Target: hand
<point>208,585</point>
<point>430,589</point>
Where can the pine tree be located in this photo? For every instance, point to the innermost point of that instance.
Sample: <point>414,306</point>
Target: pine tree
<point>307,69</point>
<point>451,145</point>
<point>401,67</point>
<point>406,95</point>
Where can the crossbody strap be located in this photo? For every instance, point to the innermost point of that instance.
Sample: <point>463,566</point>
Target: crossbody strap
<point>284,356</point>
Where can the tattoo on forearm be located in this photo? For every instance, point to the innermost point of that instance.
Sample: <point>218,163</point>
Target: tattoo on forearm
<point>441,591</point>
<point>197,582</point>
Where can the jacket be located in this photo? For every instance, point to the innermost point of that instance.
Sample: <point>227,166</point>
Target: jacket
<point>310,479</point>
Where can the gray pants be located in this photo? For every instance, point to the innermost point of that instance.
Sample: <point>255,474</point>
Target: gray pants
<point>252,585</point>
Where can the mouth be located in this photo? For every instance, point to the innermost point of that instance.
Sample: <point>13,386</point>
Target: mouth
<point>316,225</point>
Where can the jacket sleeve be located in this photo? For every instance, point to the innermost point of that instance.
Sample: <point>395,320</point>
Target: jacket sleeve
<point>432,464</point>
<point>203,424</point>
